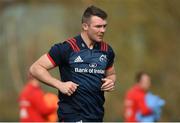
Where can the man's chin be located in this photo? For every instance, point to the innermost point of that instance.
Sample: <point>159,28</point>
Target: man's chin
<point>100,39</point>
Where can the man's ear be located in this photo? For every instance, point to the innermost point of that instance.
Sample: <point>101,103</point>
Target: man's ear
<point>85,26</point>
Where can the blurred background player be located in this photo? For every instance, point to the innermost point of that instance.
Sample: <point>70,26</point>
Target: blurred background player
<point>140,104</point>
<point>155,103</point>
<point>51,101</point>
<point>35,105</point>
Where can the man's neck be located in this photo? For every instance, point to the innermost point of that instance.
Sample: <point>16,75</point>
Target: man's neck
<point>141,87</point>
<point>89,42</point>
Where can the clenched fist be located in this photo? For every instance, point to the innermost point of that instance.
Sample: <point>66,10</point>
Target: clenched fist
<point>108,84</point>
<point>68,87</point>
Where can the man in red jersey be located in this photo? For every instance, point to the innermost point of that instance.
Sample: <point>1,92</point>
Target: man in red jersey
<point>33,107</point>
<point>135,98</point>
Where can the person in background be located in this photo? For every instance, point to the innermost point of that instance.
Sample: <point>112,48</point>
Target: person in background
<point>32,103</point>
<point>141,105</point>
<point>51,101</point>
<point>135,98</point>
<point>155,103</point>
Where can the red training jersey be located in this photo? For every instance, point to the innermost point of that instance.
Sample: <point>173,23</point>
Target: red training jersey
<point>33,108</point>
<point>134,102</point>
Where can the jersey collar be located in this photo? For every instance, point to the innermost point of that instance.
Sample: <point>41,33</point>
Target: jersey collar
<point>82,45</point>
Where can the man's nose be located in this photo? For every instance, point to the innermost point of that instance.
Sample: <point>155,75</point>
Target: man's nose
<point>103,29</point>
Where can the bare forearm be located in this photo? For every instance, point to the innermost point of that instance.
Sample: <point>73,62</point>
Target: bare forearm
<point>40,71</point>
<point>43,75</point>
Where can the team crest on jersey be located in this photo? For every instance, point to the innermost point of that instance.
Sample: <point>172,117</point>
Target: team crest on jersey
<point>103,58</point>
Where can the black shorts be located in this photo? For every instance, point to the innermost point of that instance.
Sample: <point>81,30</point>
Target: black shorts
<point>75,117</point>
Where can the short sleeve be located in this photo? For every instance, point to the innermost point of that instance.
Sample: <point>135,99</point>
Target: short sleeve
<point>111,57</point>
<point>58,54</point>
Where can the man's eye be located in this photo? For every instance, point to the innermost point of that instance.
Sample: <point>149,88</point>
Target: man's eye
<point>98,26</point>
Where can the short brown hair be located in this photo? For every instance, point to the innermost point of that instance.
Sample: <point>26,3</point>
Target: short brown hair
<point>139,75</point>
<point>93,11</point>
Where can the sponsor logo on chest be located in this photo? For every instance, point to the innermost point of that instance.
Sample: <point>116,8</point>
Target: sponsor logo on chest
<point>91,68</point>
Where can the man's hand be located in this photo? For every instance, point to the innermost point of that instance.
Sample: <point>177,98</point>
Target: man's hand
<point>108,84</point>
<point>68,88</point>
